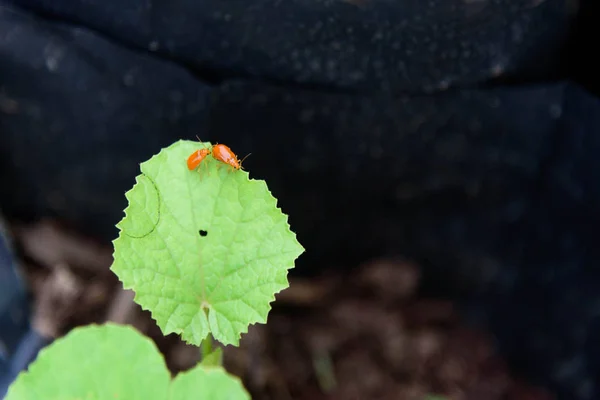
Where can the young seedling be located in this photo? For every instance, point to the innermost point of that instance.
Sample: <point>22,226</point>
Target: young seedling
<point>205,254</point>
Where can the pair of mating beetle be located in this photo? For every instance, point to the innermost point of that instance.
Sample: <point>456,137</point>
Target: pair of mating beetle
<point>219,152</point>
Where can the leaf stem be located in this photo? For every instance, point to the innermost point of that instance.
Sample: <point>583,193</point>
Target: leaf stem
<point>206,346</point>
<point>211,355</point>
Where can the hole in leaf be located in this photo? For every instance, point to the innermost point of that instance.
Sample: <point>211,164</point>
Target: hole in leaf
<point>202,232</point>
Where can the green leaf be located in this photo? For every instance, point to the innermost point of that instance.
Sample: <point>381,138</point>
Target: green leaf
<point>115,362</point>
<point>207,382</point>
<point>204,251</point>
<point>215,358</point>
<point>95,362</point>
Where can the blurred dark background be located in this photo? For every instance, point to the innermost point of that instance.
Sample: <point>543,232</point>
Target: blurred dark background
<point>464,135</point>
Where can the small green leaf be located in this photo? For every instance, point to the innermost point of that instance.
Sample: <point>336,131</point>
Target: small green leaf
<point>115,362</point>
<point>95,362</point>
<point>213,359</point>
<point>204,251</point>
<point>207,382</point>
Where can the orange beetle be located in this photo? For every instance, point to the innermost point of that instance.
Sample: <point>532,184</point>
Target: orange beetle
<point>224,154</point>
<point>196,158</point>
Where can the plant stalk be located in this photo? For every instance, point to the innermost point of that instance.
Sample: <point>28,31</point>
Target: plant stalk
<point>206,346</point>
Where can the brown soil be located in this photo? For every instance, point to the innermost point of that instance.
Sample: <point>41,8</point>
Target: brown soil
<point>367,335</point>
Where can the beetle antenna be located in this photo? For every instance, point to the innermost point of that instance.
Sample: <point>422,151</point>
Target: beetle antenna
<point>244,158</point>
